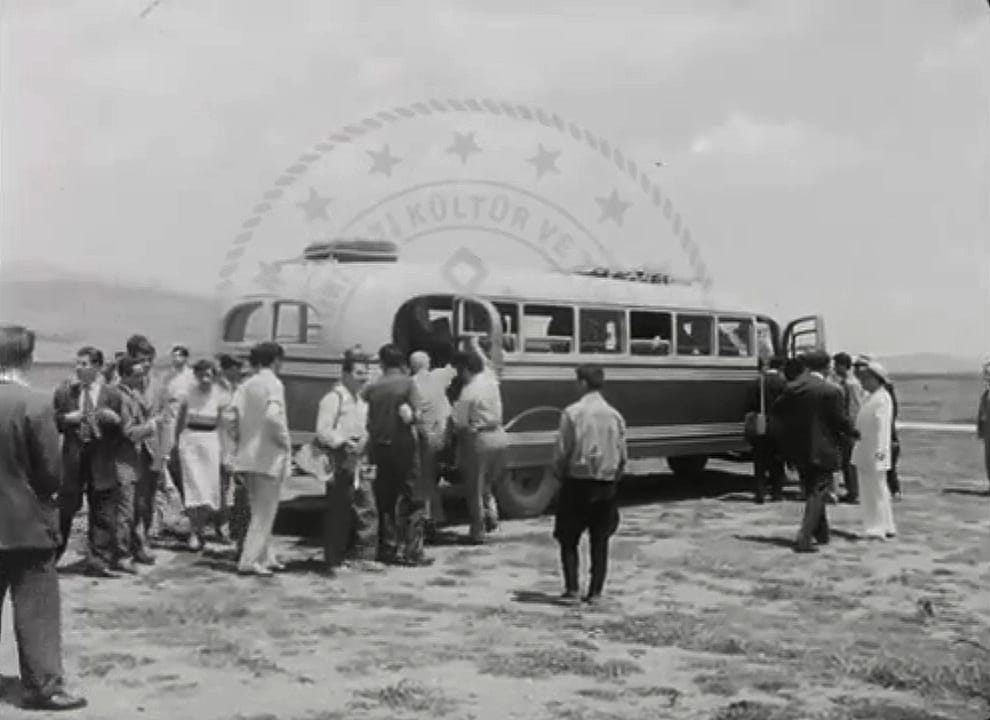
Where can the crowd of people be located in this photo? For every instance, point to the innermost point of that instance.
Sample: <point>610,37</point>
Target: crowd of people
<point>827,417</point>
<point>211,440</point>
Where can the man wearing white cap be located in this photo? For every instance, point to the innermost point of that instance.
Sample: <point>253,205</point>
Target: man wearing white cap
<point>983,419</point>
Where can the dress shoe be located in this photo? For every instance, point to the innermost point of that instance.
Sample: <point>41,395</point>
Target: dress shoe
<point>98,571</point>
<point>592,599</point>
<point>256,569</point>
<point>276,567</point>
<point>491,524</point>
<point>126,566</point>
<point>570,597</point>
<point>805,548</point>
<point>144,557</point>
<point>422,561</point>
<point>55,702</point>
<point>849,500</point>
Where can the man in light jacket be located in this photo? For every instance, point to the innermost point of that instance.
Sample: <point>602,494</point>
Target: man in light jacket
<point>262,455</point>
<point>589,458</point>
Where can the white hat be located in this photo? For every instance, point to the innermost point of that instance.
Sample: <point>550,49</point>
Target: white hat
<point>877,369</point>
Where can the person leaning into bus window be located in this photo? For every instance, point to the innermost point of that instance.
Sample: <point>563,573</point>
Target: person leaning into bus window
<point>481,441</point>
<point>350,517</point>
<point>432,418</point>
<point>983,420</point>
<point>263,455</point>
<point>392,450</point>
<point>589,458</point>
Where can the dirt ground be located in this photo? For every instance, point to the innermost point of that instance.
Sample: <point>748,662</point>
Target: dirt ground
<point>710,615</point>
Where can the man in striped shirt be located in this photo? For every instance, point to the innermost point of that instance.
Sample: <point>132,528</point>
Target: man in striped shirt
<point>589,458</point>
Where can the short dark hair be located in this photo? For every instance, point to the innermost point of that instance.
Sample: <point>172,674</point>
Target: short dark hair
<point>139,345</point>
<point>228,361</point>
<point>354,356</point>
<point>843,360</point>
<point>126,366</point>
<point>776,362</point>
<point>16,346</point>
<point>817,360</point>
<point>459,359</point>
<point>591,375</point>
<point>391,357</point>
<point>203,365</point>
<point>95,355</point>
<point>264,354</point>
<point>181,350</point>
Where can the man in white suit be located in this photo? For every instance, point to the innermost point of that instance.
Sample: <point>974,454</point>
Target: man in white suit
<point>262,455</point>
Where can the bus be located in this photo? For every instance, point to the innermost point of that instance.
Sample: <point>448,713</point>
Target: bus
<point>679,363</point>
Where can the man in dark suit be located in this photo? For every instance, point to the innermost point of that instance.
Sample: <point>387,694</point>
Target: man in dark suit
<point>29,534</point>
<point>768,462</point>
<point>815,427</point>
<point>87,413</point>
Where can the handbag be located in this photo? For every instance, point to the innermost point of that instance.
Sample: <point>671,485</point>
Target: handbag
<point>316,459</point>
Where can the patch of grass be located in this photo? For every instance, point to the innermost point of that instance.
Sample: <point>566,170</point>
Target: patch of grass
<point>749,710</point>
<point>103,664</point>
<point>599,694</point>
<point>549,662</point>
<point>669,694</point>
<point>411,696</point>
<point>868,709</point>
<point>717,684</point>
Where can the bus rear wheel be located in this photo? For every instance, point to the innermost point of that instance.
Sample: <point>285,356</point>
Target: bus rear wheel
<point>525,492</point>
<point>687,465</point>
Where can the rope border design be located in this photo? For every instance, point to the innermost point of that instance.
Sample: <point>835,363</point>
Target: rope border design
<point>514,111</point>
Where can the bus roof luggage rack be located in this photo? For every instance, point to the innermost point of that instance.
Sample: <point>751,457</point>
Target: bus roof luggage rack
<point>353,250</point>
<point>634,275</point>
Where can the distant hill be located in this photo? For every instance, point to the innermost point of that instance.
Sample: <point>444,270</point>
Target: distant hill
<point>931,364</point>
<point>68,312</point>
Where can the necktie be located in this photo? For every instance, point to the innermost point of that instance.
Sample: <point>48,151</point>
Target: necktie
<point>87,400</point>
<point>87,430</point>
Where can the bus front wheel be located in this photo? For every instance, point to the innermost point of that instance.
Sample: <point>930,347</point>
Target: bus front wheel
<point>687,465</point>
<point>525,492</point>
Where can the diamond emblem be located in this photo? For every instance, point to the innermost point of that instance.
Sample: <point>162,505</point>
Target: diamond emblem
<point>465,270</point>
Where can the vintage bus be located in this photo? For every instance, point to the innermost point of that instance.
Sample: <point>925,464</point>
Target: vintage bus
<point>678,363</point>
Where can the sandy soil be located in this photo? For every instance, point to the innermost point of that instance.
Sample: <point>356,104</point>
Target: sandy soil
<point>710,615</point>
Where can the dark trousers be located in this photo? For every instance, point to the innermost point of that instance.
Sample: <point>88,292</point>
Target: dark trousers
<point>850,477</point>
<point>815,483</point>
<point>894,482</point>
<point>768,469</point>
<point>350,519</point>
<point>103,506</point>
<point>585,505</point>
<point>401,510</point>
<point>32,580</point>
<point>240,512</point>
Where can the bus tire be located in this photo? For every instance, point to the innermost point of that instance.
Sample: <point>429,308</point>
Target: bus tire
<point>688,466</point>
<point>525,492</point>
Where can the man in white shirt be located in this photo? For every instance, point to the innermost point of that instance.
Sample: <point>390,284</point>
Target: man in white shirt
<point>432,417</point>
<point>262,455</point>
<point>481,442</point>
<point>350,518</point>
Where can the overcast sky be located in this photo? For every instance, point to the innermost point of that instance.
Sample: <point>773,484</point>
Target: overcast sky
<point>827,155</point>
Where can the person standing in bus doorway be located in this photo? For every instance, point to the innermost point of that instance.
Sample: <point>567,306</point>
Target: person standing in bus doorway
<point>29,525</point>
<point>392,451</point>
<point>589,458</point>
<point>983,420</point>
<point>852,392</point>
<point>350,516</point>
<point>87,413</point>
<point>432,418</point>
<point>818,427</point>
<point>481,441</point>
<point>263,455</point>
<point>768,463</point>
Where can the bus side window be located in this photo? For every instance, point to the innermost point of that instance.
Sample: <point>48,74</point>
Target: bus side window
<point>735,337</point>
<point>650,333</point>
<point>694,334</point>
<point>245,323</point>
<point>602,331</point>
<point>509,312</point>
<point>548,328</point>
<point>297,323</point>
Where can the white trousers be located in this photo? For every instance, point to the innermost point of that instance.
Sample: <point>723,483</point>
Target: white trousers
<point>874,497</point>
<point>263,496</point>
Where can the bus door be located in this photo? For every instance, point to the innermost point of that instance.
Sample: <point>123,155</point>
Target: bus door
<point>804,334</point>
<point>475,317</point>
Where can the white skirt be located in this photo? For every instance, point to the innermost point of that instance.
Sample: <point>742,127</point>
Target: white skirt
<point>199,453</point>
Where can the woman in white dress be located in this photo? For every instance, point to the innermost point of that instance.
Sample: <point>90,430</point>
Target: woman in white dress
<point>198,442</point>
<point>872,452</point>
